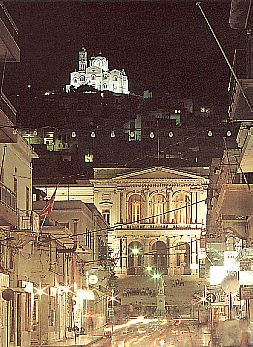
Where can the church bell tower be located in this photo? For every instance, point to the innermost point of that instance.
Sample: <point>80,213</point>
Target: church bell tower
<point>82,59</point>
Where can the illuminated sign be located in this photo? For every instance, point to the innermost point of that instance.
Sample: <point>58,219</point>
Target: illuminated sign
<point>230,262</point>
<point>217,274</point>
<point>246,293</point>
<point>93,279</point>
<point>246,277</point>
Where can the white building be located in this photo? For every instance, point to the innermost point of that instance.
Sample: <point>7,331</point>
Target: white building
<point>96,73</point>
<point>158,222</point>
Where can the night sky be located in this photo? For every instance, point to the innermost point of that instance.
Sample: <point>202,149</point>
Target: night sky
<point>164,46</point>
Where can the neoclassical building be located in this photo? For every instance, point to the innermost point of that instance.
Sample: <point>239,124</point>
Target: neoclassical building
<point>95,72</point>
<point>158,218</point>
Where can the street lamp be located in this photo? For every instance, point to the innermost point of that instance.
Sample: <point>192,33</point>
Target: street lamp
<point>135,251</point>
<point>112,299</point>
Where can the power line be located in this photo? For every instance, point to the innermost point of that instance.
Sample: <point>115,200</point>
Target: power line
<point>112,228</point>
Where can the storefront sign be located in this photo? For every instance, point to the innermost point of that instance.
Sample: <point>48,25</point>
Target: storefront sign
<point>246,293</point>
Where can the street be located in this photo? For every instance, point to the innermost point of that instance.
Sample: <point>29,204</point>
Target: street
<point>158,333</point>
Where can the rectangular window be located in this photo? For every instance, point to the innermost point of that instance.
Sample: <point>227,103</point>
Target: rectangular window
<point>106,215</point>
<point>88,158</point>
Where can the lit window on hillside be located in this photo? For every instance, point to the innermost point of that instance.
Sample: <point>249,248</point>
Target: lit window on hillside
<point>204,109</point>
<point>88,158</point>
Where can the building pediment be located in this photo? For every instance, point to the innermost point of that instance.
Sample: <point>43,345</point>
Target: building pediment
<point>158,173</point>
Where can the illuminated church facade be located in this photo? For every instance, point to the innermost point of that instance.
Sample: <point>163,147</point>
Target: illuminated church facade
<point>95,72</point>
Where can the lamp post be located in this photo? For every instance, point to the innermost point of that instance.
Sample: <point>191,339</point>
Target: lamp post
<point>160,291</point>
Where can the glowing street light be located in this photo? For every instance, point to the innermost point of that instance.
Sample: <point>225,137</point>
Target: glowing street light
<point>156,276</point>
<point>85,294</point>
<point>66,289</point>
<point>135,251</point>
<point>40,291</point>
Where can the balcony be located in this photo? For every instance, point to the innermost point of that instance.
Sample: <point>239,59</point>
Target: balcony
<point>8,206</point>
<point>157,229</point>
<point>139,270</point>
<point>9,49</point>
<point>28,221</point>
<point>235,200</point>
<point>7,121</point>
<point>240,14</point>
<point>152,226</point>
<point>240,110</point>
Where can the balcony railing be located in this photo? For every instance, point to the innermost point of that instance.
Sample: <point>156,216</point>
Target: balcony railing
<point>7,197</point>
<point>28,220</point>
<point>8,109</point>
<point>8,21</point>
<point>140,270</point>
<point>137,270</point>
<point>170,226</point>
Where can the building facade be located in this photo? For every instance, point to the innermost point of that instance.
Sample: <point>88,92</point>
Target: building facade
<point>95,72</point>
<point>158,223</point>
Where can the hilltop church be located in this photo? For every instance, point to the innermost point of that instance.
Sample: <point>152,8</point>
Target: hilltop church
<point>96,73</point>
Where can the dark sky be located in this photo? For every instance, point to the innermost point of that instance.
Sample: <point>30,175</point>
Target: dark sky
<point>164,46</point>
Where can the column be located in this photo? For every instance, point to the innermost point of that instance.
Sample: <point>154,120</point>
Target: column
<point>193,254</point>
<point>169,206</point>
<point>124,207</point>
<point>146,251</point>
<point>194,206</point>
<point>202,207</point>
<point>146,206</point>
<point>120,206</point>
<point>124,255</point>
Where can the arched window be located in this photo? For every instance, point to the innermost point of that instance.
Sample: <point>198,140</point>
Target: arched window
<point>135,208</point>
<point>82,78</point>
<point>157,209</point>
<point>115,78</point>
<point>135,258</point>
<point>160,261</point>
<point>183,257</point>
<point>93,77</point>
<point>182,208</point>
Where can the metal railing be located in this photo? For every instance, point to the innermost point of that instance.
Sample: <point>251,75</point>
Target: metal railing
<point>28,220</point>
<point>8,21</point>
<point>7,197</point>
<point>171,226</point>
<point>140,270</point>
<point>7,107</point>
